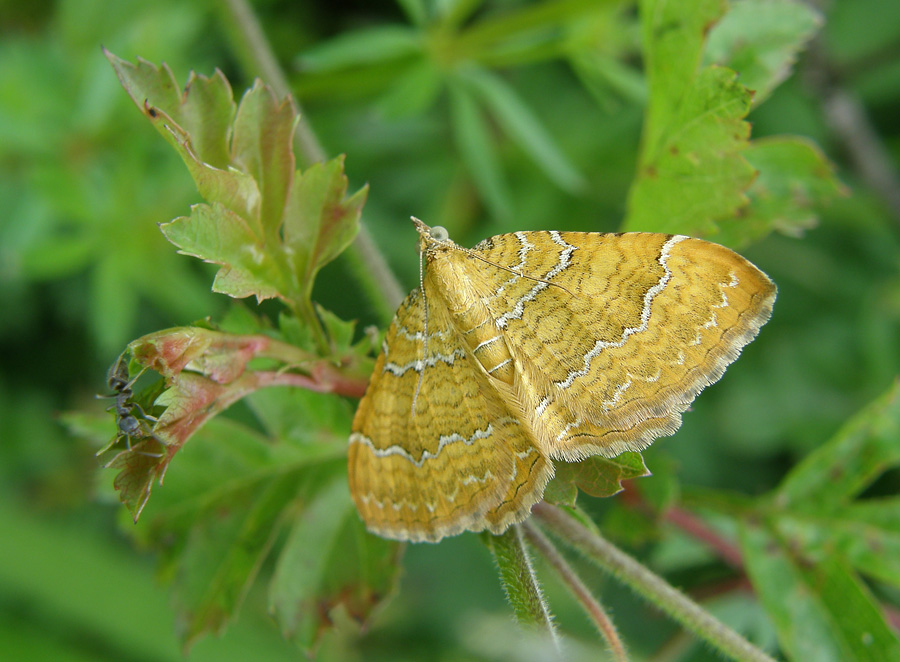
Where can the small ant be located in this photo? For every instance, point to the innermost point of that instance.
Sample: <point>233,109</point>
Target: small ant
<point>128,424</point>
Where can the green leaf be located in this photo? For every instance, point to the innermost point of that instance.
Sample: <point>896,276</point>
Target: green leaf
<point>412,91</point>
<point>794,178</point>
<point>596,476</point>
<point>216,234</point>
<point>691,172</point>
<point>561,490</point>
<point>524,128</point>
<point>262,147</point>
<point>340,331</point>
<point>224,552</point>
<point>475,145</point>
<point>229,461</point>
<point>865,533</point>
<point>223,508</point>
<point>197,124</point>
<point>865,447</point>
<point>261,213</point>
<point>602,477</point>
<point>301,417</point>
<point>760,40</point>
<point>802,548</point>
<point>362,48</point>
<point>820,610</point>
<point>329,560</point>
<point>319,220</point>
<point>204,110</point>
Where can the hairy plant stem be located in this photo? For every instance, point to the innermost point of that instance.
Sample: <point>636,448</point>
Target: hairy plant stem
<point>255,53</point>
<point>570,578</point>
<point>649,585</point>
<point>520,582</point>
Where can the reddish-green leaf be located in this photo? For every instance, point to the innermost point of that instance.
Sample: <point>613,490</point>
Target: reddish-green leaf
<point>197,123</point>
<point>262,147</point>
<point>204,110</point>
<point>270,227</point>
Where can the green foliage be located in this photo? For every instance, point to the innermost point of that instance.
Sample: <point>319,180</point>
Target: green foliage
<point>808,542</point>
<point>270,228</point>
<point>468,116</point>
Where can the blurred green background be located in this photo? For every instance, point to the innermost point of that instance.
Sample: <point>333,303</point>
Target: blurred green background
<point>83,270</point>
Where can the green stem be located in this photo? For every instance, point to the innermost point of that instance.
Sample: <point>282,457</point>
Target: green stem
<point>306,311</point>
<point>649,585</point>
<point>257,56</point>
<point>570,578</point>
<point>520,582</point>
<point>255,52</point>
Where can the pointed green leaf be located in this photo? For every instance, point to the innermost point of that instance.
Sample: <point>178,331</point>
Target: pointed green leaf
<point>596,476</point>
<point>218,235</point>
<point>865,533</point>
<point>320,221</point>
<point>562,490</point>
<point>413,91</point>
<point>524,128</point>
<point>760,40</point>
<point>329,560</point>
<point>224,552</point>
<point>691,172</point>
<point>475,145</point>
<point>262,147</point>
<point>340,331</point>
<point>362,48</point>
<point>862,450</point>
<point>820,610</point>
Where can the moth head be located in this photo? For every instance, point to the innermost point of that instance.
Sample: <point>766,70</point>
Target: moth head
<point>430,238</point>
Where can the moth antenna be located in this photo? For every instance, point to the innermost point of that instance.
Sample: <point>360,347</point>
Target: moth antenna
<point>424,333</point>
<point>475,255</point>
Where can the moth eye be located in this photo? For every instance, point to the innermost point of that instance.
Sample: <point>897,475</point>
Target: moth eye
<point>439,233</point>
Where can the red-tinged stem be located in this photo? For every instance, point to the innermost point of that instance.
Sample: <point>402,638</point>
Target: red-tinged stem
<point>323,381</point>
<point>697,528</point>
<point>693,526</point>
<point>648,584</point>
<point>588,602</point>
